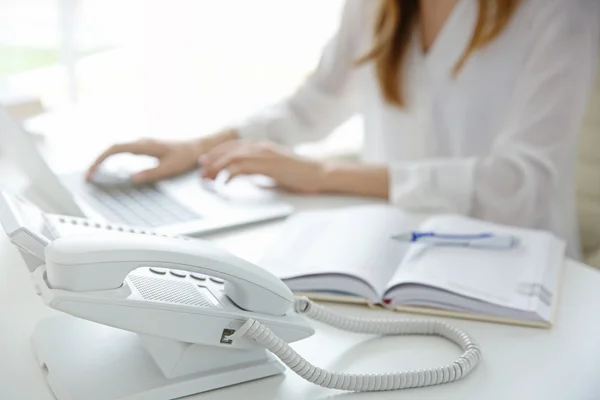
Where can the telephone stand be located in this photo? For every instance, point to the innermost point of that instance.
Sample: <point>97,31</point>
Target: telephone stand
<point>85,360</point>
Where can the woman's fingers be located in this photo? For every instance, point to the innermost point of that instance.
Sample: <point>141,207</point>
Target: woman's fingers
<point>219,151</point>
<point>245,167</point>
<point>166,169</point>
<point>211,170</point>
<point>222,156</point>
<point>114,149</point>
<point>240,158</point>
<point>237,163</point>
<point>140,147</point>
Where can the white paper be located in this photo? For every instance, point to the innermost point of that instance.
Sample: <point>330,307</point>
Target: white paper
<point>353,241</point>
<point>494,276</point>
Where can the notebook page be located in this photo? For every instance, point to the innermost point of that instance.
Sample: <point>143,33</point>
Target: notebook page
<point>353,240</point>
<point>546,292</point>
<point>501,277</point>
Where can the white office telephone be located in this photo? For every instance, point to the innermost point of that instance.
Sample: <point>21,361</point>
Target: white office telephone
<point>162,318</point>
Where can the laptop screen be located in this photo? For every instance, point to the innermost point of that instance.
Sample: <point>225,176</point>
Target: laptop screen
<point>20,147</point>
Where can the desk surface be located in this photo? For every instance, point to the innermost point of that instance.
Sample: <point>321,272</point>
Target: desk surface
<point>518,363</point>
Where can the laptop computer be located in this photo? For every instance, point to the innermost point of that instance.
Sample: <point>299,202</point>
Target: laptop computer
<point>185,205</point>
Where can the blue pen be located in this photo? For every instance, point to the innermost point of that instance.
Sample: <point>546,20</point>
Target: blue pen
<point>479,240</point>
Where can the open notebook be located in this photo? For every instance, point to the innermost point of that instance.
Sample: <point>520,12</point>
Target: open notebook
<point>347,255</point>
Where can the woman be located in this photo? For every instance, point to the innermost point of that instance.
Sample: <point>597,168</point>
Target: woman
<point>469,106</point>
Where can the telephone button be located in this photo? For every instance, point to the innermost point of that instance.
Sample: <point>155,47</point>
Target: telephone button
<point>178,274</point>
<point>216,280</point>
<point>198,277</point>
<point>159,271</point>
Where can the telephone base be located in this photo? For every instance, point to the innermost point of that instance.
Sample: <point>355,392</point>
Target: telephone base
<point>86,360</point>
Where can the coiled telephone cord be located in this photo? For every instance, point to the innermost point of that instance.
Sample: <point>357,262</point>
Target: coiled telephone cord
<point>367,382</point>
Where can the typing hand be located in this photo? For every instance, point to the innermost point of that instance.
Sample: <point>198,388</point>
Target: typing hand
<point>174,157</point>
<point>289,171</point>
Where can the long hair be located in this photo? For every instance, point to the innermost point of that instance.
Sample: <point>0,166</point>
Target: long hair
<point>395,24</point>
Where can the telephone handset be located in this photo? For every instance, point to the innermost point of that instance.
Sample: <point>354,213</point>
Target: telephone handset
<point>92,263</point>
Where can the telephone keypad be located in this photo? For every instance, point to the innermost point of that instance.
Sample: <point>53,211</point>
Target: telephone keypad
<point>198,277</point>
<point>159,271</point>
<point>208,287</point>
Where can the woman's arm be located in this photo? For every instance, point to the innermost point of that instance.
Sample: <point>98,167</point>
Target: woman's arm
<point>355,179</point>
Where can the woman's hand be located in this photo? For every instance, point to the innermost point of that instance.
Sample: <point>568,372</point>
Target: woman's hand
<point>290,172</point>
<point>174,157</point>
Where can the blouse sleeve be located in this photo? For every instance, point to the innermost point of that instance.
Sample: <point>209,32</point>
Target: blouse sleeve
<point>513,181</point>
<point>324,100</point>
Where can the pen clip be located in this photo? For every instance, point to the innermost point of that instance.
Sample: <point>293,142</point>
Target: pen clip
<point>419,235</point>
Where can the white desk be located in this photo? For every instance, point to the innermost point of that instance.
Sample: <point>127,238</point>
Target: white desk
<point>518,363</point>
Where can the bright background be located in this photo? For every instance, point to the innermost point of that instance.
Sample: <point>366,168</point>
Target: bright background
<point>158,68</point>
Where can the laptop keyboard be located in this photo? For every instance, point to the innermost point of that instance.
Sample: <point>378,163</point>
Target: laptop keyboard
<point>137,205</point>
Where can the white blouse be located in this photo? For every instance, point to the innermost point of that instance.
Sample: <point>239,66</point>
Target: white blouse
<point>497,142</point>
